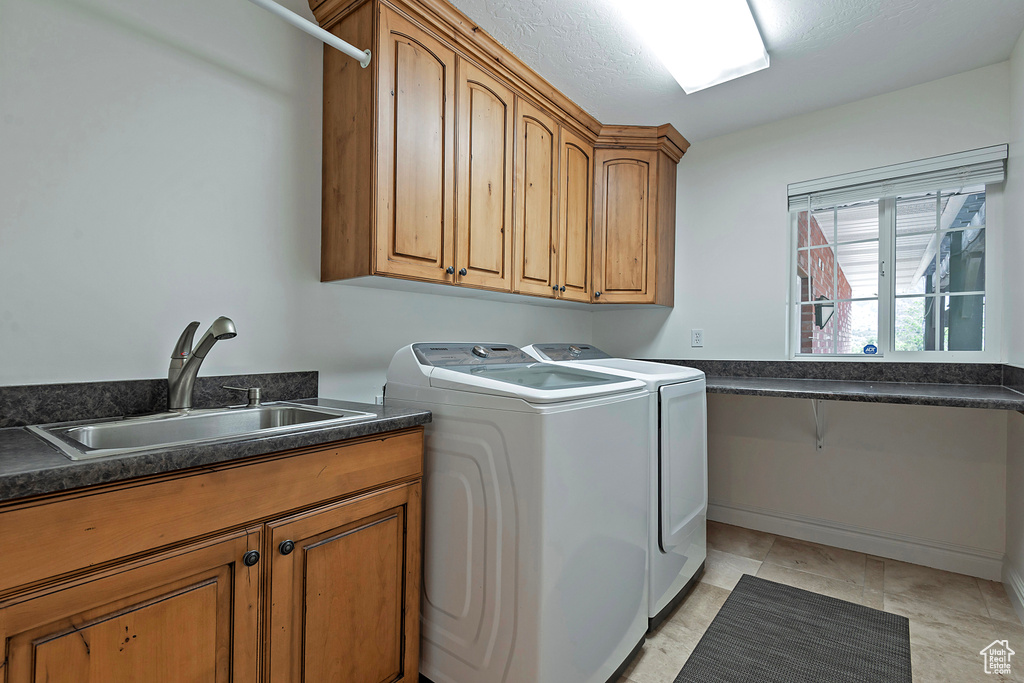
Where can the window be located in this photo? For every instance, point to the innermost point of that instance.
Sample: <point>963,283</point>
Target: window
<point>887,264</point>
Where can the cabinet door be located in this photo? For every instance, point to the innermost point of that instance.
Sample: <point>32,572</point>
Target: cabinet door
<point>624,226</point>
<point>484,222</point>
<point>188,615</point>
<point>576,185</point>
<point>415,152</point>
<point>535,202</point>
<point>344,594</point>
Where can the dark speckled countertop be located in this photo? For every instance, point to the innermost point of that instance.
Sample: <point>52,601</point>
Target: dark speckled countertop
<point>29,466</point>
<point>925,394</point>
<point>959,385</point>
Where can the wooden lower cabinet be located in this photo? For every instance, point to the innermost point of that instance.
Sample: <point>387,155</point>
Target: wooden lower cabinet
<point>339,602</point>
<point>191,614</point>
<point>344,591</point>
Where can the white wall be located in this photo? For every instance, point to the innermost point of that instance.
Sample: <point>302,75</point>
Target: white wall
<point>732,225</point>
<point>1013,574</point>
<point>917,483</point>
<point>161,163</point>
<point>1014,210</point>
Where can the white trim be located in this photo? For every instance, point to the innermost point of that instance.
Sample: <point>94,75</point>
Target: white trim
<point>1014,584</point>
<point>975,167</point>
<point>950,557</point>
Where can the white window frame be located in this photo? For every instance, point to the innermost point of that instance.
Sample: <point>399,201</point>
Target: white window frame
<point>993,336</point>
<point>884,301</point>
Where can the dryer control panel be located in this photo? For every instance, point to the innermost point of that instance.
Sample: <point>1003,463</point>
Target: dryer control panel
<point>449,355</point>
<point>560,352</point>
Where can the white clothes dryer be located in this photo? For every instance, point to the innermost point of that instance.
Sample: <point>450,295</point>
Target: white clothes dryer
<point>535,525</point>
<point>677,545</point>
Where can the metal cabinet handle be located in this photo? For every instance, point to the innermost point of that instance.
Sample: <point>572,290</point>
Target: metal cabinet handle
<point>597,295</point>
<point>287,547</point>
<point>251,558</point>
<point>463,272</point>
<point>450,270</point>
<point>554,288</point>
<point>562,288</point>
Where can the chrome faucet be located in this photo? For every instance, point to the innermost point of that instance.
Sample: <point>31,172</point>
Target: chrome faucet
<point>185,361</point>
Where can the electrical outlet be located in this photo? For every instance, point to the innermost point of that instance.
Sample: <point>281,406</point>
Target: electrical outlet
<point>696,338</point>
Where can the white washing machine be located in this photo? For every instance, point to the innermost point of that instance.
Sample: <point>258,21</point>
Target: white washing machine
<point>535,524</point>
<point>679,466</point>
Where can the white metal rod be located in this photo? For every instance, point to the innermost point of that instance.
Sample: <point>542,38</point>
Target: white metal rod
<point>361,56</point>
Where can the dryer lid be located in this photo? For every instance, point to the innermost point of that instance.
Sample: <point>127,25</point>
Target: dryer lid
<point>562,351</point>
<point>651,371</point>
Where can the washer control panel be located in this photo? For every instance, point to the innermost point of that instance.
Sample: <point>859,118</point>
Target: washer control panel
<point>448,355</point>
<point>560,352</point>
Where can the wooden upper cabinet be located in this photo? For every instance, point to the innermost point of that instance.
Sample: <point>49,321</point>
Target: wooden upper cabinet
<point>415,152</point>
<point>448,160</point>
<point>576,186</point>
<point>634,216</point>
<point>345,596</point>
<point>626,201</point>
<point>484,220</point>
<point>536,201</point>
<point>191,614</point>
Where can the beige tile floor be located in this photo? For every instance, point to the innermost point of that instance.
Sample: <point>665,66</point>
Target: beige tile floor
<point>952,616</point>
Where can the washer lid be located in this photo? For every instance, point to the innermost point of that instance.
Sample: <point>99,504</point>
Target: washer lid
<point>504,370</point>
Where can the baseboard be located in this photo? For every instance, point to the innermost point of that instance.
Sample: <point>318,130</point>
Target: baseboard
<point>1014,584</point>
<point>947,556</point>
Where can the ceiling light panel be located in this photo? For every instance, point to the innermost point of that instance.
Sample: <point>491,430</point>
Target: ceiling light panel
<point>701,42</point>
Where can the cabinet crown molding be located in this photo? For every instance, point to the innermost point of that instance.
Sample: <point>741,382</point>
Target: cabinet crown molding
<point>664,138</point>
<point>463,33</point>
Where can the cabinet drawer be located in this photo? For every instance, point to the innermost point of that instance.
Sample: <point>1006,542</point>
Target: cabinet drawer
<point>56,536</point>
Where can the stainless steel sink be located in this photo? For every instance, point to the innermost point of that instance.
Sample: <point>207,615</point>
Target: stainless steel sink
<point>135,434</point>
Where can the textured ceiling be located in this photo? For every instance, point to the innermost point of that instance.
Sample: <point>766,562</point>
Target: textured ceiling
<point>823,53</point>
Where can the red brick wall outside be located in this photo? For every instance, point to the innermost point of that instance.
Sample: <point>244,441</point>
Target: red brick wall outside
<point>819,271</point>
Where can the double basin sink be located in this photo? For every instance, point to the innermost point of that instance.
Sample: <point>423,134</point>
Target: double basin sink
<point>138,434</point>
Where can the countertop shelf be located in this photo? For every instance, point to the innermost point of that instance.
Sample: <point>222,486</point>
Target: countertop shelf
<point>928,394</point>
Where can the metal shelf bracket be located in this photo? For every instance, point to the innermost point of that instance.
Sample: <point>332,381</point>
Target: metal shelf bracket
<point>819,421</point>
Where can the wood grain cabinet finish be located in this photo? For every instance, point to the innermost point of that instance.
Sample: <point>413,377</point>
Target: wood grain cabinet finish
<point>191,614</point>
<point>449,161</point>
<point>634,215</point>
<point>485,166</point>
<point>575,214</point>
<point>536,203</point>
<point>415,153</point>
<point>345,595</point>
<point>626,226</point>
<point>183,577</point>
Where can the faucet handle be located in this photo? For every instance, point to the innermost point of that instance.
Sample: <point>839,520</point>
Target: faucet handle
<point>183,348</point>
<point>253,394</point>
